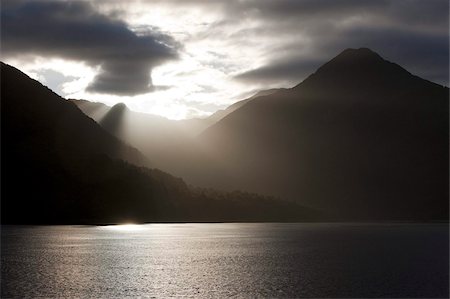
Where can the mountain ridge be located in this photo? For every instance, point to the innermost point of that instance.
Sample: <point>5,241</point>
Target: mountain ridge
<point>360,139</point>
<point>350,129</point>
<point>152,134</point>
<point>55,105</point>
<point>61,167</point>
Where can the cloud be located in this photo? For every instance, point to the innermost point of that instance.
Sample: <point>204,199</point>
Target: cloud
<point>424,54</point>
<point>289,70</point>
<point>301,35</point>
<point>230,48</point>
<point>281,42</point>
<point>420,13</point>
<point>55,79</point>
<point>76,31</point>
<point>421,53</point>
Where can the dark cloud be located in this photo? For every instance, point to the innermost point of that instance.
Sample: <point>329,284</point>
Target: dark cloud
<point>290,71</point>
<point>423,54</point>
<point>74,30</point>
<point>287,9</point>
<point>292,37</point>
<point>301,35</point>
<point>428,13</point>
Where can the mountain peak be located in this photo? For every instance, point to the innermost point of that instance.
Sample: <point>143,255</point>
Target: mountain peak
<point>358,69</point>
<point>358,56</point>
<point>119,107</point>
<point>361,137</point>
<point>362,52</point>
<point>354,58</point>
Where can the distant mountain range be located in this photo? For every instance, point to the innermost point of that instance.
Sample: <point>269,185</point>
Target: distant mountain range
<point>60,166</point>
<point>361,138</point>
<point>155,124</point>
<point>152,134</point>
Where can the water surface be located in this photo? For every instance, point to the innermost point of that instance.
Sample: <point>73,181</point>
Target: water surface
<point>225,260</point>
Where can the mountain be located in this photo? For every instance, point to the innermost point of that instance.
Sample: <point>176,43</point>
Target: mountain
<point>59,166</point>
<point>153,135</point>
<point>156,126</point>
<point>62,124</point>
<point>153,124</point>
<point>361,138</point>
<point>218,115</point>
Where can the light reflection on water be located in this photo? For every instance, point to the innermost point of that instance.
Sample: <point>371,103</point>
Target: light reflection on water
<point>223,260</point>
<point>125,227</point>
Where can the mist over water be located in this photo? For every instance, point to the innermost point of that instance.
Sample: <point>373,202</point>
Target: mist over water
<point>225,260</point>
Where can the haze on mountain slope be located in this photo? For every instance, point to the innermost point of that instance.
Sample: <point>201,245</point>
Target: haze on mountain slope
<point>361,138</point>
<point>152,134</point>
<point>59,166</point>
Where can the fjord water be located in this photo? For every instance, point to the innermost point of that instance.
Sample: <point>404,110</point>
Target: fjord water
<point>225,260</point>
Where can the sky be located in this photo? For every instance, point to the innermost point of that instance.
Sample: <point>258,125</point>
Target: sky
<point>189,58</point>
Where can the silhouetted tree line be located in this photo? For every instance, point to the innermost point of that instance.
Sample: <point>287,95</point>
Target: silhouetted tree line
<point>103,190</point>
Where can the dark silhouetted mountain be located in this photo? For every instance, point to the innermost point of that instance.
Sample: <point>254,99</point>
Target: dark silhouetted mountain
<point>113,119</point>
<point>59,166</point>
<point>362,138</point>
<point>60,124</point>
